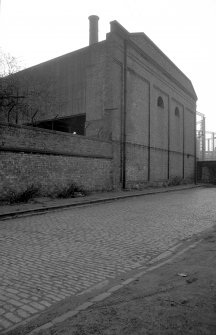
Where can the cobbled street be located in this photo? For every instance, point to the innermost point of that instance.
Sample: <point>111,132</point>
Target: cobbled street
<point>49,257</point>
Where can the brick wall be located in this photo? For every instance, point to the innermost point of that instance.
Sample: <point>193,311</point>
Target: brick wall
<point>52,160</point>
<point>29,138</point>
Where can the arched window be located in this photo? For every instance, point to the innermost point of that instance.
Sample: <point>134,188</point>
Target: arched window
<point>177,112</point>
<point>160,102</point>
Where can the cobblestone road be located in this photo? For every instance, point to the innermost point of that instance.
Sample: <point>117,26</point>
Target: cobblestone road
<point>46,258</point>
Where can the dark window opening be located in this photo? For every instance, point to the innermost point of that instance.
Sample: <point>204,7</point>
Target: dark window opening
<point>160,102</point>
<point>177,112</point>
<point>73,124</point>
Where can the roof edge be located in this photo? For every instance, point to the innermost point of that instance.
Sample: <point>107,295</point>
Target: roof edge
<point>142,34</point>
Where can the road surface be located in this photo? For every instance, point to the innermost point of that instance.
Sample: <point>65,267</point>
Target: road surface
<point>49,257</point>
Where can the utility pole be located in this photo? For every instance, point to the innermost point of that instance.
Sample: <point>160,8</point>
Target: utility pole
<point>0,9</point>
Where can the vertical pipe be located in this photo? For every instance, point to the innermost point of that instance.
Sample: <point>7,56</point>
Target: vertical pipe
<point>124,116</point>
<point>183,158</point>
<point>149,136</point>
<point>203,139</point>
<point>168,144</point>
<point>195,151</point>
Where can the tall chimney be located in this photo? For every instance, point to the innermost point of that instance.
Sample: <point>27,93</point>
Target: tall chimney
<point>93,29</point>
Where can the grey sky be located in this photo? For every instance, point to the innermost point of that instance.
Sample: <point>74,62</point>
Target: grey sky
<point>38,30</point>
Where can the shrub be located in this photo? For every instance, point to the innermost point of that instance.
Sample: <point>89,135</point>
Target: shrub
<point>23,196</point>
<point>174,181</point>
<point>72,191</point>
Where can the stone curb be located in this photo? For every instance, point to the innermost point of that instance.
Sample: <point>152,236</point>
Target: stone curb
<point>35,211</point>
<point>104,295</point>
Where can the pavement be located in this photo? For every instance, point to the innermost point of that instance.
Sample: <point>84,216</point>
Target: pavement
<point>43,204</point>
<point>176,296</point>
<point>53,262</point>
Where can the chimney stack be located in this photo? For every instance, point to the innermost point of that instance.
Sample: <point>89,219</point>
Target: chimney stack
<point>93,29</point>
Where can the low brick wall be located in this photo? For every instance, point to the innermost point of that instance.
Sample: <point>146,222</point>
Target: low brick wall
<point>44,140</point>
<point>52,160</point>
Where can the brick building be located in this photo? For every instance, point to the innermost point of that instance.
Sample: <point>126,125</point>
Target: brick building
<point>124,93</point>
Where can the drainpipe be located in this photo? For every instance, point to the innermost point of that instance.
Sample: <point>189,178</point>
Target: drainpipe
<point>183,144</point>
<point>195,151</point>
<point>123,139</point>
<point>168,144</point>
<point>149,134</point>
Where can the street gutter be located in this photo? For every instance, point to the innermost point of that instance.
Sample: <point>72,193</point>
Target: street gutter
<point>102,198</point>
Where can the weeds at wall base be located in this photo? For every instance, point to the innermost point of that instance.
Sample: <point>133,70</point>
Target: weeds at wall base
<point>72,191</point>
<point>75,191</point>
<point>175,181</point>
<point>23,196</point>
<point>31,192</point>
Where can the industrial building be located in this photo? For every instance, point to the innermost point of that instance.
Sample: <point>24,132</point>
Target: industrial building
<point>118,114</point>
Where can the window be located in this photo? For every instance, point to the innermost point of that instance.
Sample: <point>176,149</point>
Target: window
<point>160,102</point>
<point>177,112</point>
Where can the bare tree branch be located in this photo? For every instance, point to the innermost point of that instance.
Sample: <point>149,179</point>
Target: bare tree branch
<point>23,94</point>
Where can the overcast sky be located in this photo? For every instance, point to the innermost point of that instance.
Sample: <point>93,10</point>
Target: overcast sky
<point>39,30</point>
